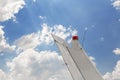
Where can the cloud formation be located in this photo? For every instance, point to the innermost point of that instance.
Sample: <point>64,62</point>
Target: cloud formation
<point>117,51</point>
<point>42,17</point>
<point>33,65</point>
<point>116,4</point>
<point>115,74</point>
<point>44,36</point>
<point>8,9</point>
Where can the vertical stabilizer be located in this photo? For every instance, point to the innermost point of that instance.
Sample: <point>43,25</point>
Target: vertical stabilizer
<point>83,63</point>
<point>76,60</point>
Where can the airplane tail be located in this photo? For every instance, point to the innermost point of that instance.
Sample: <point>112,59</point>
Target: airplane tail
<point>77,61</point>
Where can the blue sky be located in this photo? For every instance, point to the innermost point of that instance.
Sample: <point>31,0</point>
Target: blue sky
<point>25,27</point>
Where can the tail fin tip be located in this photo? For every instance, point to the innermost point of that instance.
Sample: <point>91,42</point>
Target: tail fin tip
<point>75,38</point>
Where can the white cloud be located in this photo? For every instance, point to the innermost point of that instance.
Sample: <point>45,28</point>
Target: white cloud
<point>44,36</point>
<point>92,60</point>
<point>42,17</point>
<point>115,74</point>
<point>117,51</point>
<point>28,41</point>
<point>33,65</point>
<point>116,4</point>
<point>108,76</point>
<point>4,46</point>
<point>2,75</point>
<point>59,30</point>
<point>8,8</point>
<point>34,0</point>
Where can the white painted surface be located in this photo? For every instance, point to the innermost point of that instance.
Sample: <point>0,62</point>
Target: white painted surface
<point>78,63</point>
